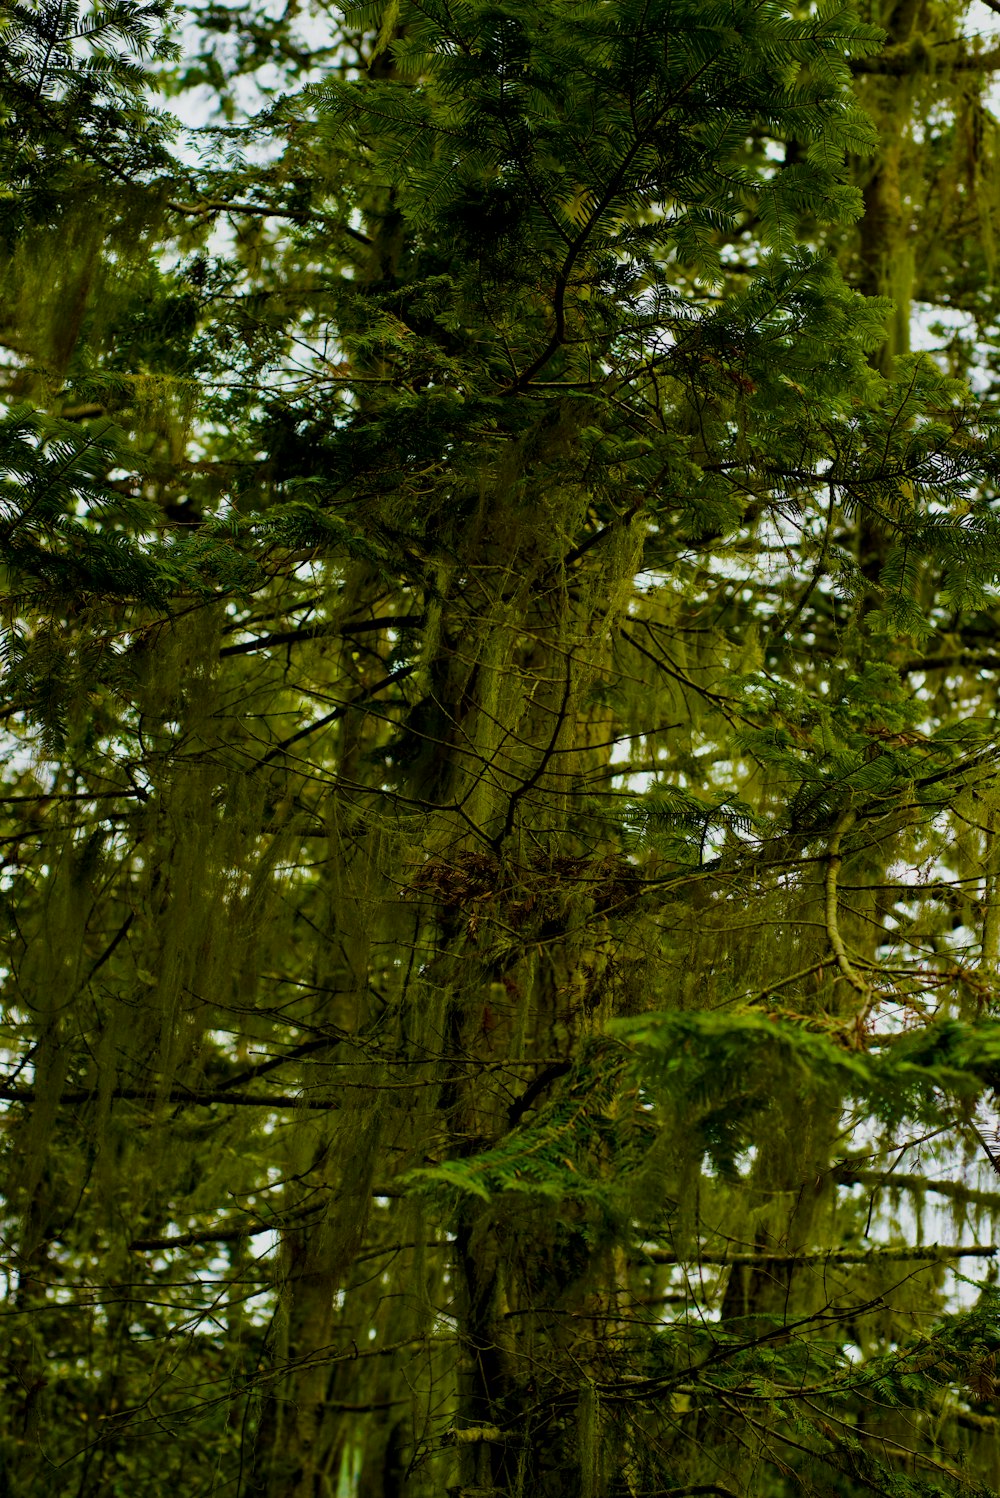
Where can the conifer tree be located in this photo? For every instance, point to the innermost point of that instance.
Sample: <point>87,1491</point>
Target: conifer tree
<point>500,863</point>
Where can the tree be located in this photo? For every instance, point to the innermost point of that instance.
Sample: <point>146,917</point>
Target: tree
<point>501,796</point>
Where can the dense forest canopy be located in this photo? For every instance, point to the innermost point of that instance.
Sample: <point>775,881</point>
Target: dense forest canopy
<point>500,524</point>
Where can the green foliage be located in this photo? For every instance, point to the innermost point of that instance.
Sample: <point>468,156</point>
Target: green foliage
<point>499,873</point>
<point>73,93</point>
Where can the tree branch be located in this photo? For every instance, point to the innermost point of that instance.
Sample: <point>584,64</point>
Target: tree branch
<point>178,1096</point>
<point>400,674</point>
<point>526,785</point>
<point>834,860</point>
<point>846,1175</point>
<point>267,210</point>
<point>319,632</point>
<point>929,1253</point>
<point>980,661</point>
<point>900,62</point>
<point>474,1435</point>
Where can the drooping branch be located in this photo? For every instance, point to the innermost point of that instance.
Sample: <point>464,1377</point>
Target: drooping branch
<point>834,860</point>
